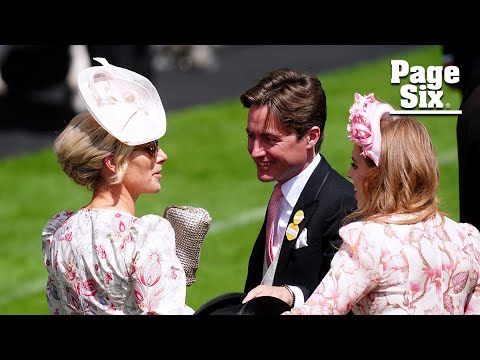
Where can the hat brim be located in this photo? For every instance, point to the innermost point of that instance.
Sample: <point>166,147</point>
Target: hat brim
<point>124,103</point>
<point>231,304</point>
<point>220,303</point>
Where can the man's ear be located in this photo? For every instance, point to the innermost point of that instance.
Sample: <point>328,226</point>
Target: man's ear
<point>109,163</point>
<point>313,135</point>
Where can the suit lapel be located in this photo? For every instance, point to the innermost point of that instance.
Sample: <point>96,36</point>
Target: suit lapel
<point>307,202</point>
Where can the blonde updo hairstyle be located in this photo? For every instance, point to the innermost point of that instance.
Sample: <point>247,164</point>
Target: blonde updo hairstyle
<point>81,148</point>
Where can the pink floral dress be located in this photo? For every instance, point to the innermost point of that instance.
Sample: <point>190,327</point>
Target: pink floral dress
<point>105,261</point>
<point>426,268</point>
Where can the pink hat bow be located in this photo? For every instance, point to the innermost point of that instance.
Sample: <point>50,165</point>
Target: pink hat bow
<point>364,125</point>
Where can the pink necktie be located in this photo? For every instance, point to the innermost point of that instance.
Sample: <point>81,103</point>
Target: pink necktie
<point>273,207</point>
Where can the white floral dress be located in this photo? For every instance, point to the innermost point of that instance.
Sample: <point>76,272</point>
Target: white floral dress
<point>384,268</point>
<point>106,261</point>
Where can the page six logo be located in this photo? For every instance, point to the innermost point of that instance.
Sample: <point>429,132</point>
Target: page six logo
<point>425,88</point>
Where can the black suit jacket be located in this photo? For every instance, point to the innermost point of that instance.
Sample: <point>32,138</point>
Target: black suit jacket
<point>326,199</point>
<point>468,144</point>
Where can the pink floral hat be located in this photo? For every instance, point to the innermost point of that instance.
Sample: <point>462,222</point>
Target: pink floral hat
<point>364,125</point>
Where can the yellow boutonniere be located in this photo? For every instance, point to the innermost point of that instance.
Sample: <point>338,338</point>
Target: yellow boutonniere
<point>298,217</point>
<point>292,229</point>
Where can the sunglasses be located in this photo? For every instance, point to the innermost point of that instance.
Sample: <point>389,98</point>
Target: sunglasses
<point>151,148</point>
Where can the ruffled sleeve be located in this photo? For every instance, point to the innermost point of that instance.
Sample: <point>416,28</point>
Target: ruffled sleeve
<point>51,226</point>
<point>158,279</point>
<point>53,299</point>
<point>54,223</point>
<point>354,272</point>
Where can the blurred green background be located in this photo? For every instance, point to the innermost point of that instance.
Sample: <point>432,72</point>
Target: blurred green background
<point>208,166</point>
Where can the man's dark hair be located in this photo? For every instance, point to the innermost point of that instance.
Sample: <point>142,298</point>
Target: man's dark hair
<point>297,100</point>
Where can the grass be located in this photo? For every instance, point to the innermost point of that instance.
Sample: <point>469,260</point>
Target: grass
<point>208,166</point>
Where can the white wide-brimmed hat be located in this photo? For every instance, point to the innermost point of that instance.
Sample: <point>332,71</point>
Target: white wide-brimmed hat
<point>124,103</point>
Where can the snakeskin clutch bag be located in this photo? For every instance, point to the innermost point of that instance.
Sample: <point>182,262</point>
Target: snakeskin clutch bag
<point>190,224</point>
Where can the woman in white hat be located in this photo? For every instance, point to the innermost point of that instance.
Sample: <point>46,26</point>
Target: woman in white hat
<point>102,259</point>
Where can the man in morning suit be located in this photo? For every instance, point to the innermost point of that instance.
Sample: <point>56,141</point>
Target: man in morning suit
<point>286,120</point>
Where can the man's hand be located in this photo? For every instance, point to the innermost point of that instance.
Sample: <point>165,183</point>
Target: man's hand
<point>279,292</point>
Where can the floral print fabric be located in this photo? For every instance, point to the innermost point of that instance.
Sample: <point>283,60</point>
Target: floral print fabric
<point>384,268</point>
<point>105,261</point>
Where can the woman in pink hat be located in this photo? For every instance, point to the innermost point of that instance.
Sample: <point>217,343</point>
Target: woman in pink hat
<point>102,259</point>
<point>400,253</point>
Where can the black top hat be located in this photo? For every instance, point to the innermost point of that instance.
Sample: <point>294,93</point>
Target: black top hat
<point>231,304</point>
